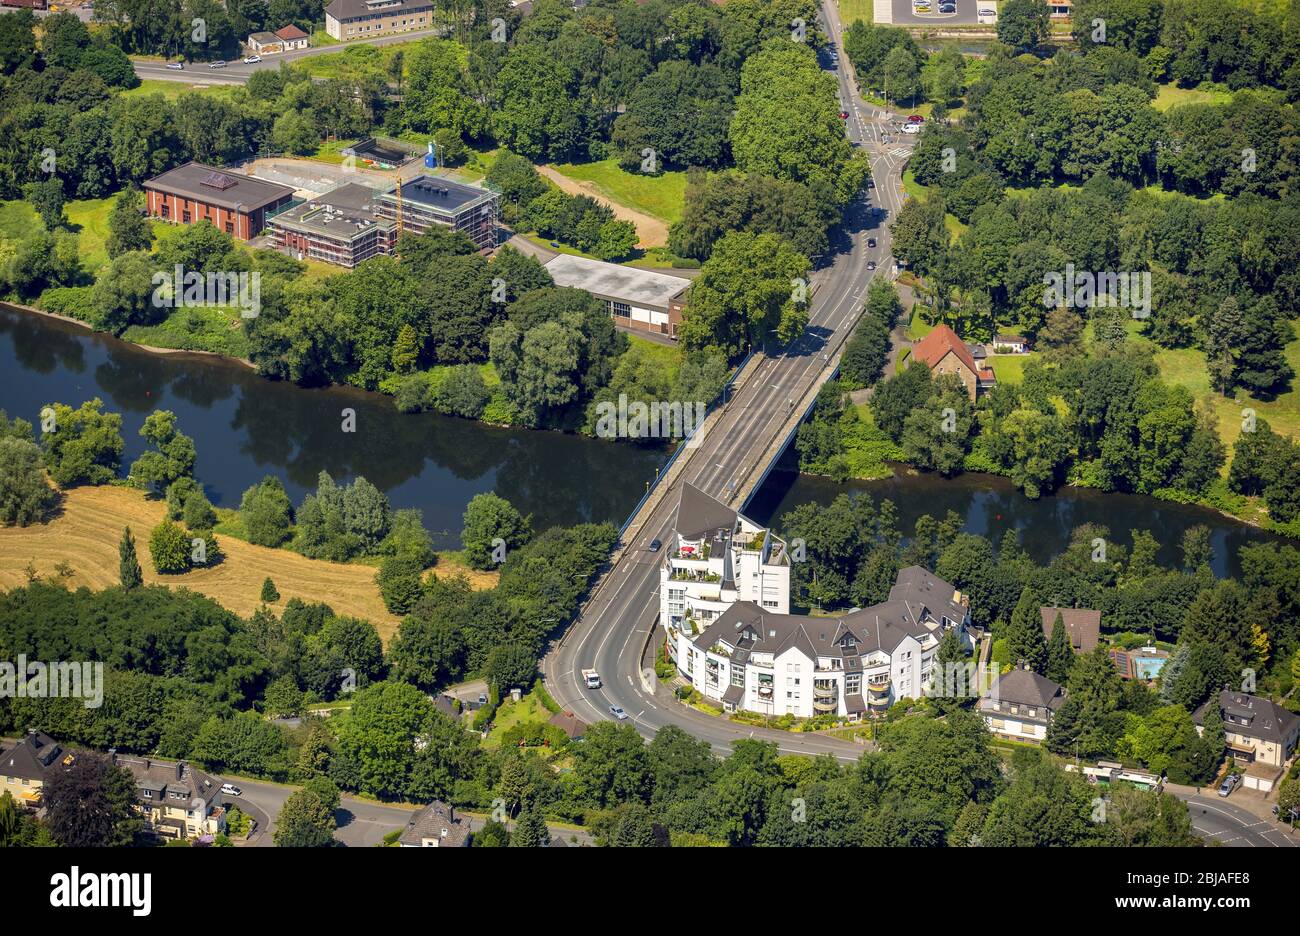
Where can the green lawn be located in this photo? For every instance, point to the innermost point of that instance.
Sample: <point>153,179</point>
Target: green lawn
<point>88,218</point>
<point>171,90</point>
<point>1172,96</point>
<point>660,196</point>
<point>527,709</point>
<point>1010,368</point>
<point>851,10</point>
<point>209,328</point>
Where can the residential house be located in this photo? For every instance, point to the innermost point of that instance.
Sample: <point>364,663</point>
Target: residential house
<point>945,353</point>
<point>1019,706</point>
<point>177,800</point>
<point>1081,624</point>
<point>1010,344</point>
<point>361,19</point>
<point>292,38</point>
<point>572,726</point>
<point>1259,734</point>
<point>27,764</point>
<point>435,826</point>
<point>265,43</point>
<point>718,556</point>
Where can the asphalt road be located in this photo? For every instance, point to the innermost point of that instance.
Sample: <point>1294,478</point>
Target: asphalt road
<point>613,629</point>
<point>238,72</point>
<point>1217,819</point>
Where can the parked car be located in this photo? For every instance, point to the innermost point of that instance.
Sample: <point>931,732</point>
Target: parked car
<point>176,65</point>
<point>844,115</point>
<point>916,119</point>
<point>871,242</point>
<point>231,790</point>
<point>947,8</point>
<point>217,64</point>
<point>617,712</point>
<point>654,545</point>
<point>987,12</point>
<point>252,59</point>
<point>1230,783</point>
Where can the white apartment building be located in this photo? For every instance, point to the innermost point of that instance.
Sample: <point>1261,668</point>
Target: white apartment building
<point>718,557</point>
<point>724,603</point>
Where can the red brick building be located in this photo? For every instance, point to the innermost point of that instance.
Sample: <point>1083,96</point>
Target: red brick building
<point>234,203</point>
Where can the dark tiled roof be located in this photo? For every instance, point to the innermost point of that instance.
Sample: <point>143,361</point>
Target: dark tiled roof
<point>351,9</point>
<point>220,187</point>
<point>1252,716</point>
<point>1083,626</point>
<point>165,778</point>
<point>699,514</point>
<point>922,589</point>
<point>1025,687</point>
<point>570,724</point>
<point>31,758</point>
<point>435,821</point>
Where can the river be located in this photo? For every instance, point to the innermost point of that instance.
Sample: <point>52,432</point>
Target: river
<point>246,427</point>
<point>991,505</point>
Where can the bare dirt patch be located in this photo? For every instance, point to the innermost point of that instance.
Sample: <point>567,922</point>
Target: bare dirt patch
<point>650,231</point>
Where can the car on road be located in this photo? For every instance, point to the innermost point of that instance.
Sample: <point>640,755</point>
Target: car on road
<point>617,712</point>
<point>176,65</point>
<point>231,790</point>
<point>871,183</point>
<point>871,242</point>
<point>871,266</point>
<point>654,545</point>
<point>1230,783</point>
<point>844,115</point>
<point>217,64</point>
<point>252,59</point>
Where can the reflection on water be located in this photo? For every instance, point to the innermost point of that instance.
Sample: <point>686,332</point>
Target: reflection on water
<point>246,427</point>
<point>991,505</point>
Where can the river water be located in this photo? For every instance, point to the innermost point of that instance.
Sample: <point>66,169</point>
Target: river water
<point>246,427</point>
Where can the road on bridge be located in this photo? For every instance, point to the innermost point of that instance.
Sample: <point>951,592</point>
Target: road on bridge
<point>615,624</point>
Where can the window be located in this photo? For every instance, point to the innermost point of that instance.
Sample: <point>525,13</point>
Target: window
<point>621,309</point>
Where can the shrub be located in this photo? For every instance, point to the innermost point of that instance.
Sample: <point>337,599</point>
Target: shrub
<point>170,548</point>
<point>24,494</point>
<point>400,582</point>
<point>269,592</point>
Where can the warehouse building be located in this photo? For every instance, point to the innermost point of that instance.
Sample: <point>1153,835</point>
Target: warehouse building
<point>234,203</point>
<point>639,299</point>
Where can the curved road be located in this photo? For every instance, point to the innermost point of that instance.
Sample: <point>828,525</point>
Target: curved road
<point>614,626</point>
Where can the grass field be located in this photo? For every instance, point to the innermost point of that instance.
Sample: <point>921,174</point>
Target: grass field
<point>1172,96</point>
<point>171,90</point>
<point>659,196</point>
<point>88,218</point>
<point>527,709</point>
<point>87,528</point>
<point>1010,368</point>
<point>851,10</point>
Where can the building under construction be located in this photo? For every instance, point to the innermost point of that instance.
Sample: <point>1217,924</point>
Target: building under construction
<point>424,201</point>
<point>355,222</point>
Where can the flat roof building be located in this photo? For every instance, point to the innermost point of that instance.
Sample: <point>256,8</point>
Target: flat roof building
<point>640,299</point>
<point>235,203</point>
<point>361,19</point>
<point>426,201</point>
<point>340,227</point>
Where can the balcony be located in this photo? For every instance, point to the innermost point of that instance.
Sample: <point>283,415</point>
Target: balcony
<point>693,575</point>
<point>826,688</point>
<point>825,705</point>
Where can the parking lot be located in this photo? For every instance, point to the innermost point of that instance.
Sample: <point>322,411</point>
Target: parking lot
<point>967,13</point>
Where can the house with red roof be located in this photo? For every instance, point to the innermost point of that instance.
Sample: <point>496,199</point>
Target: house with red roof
<point>944,353</point>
